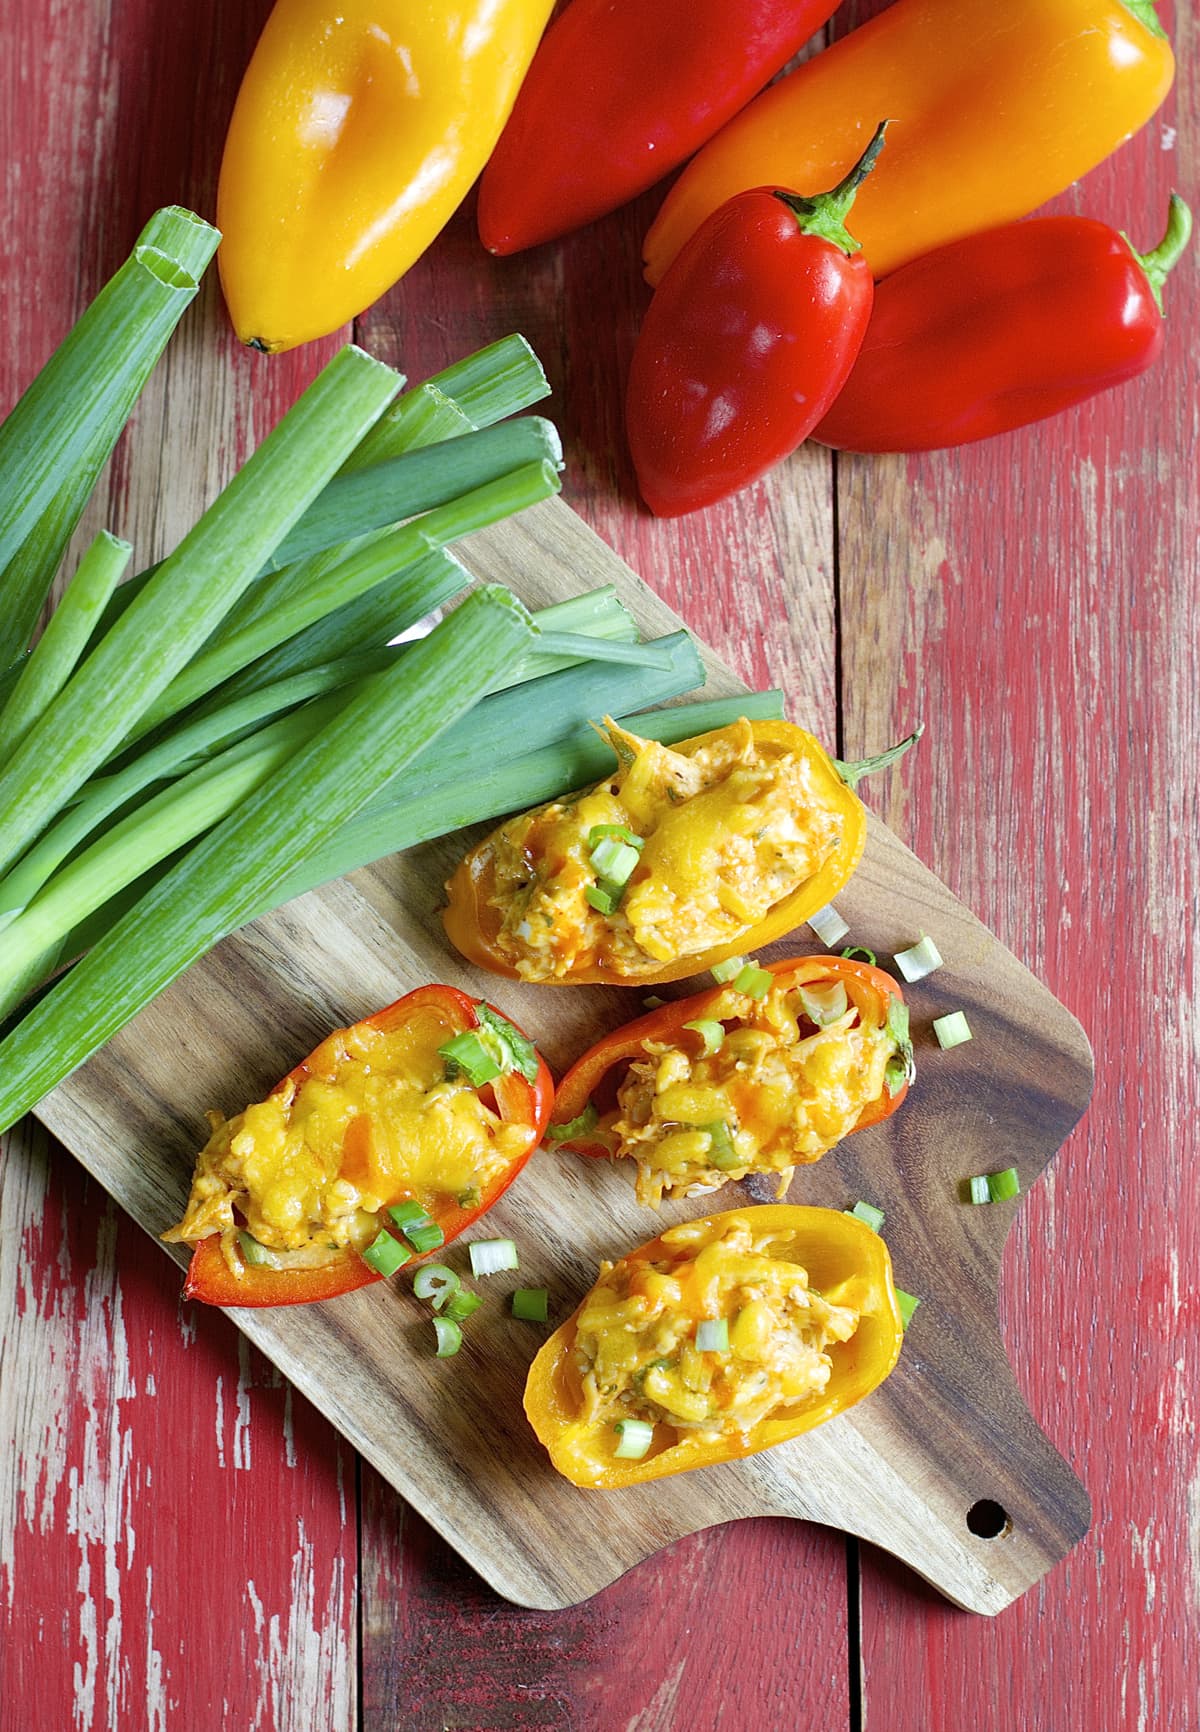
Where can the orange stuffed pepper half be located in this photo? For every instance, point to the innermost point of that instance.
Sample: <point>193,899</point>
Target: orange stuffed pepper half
<point>684,856</point>
<point>380,1147</point>
<point>762,1073</point>
<point>720,1338</point>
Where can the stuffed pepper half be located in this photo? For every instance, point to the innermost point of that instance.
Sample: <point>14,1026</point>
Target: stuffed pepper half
<point>720,1338</point>
<point>381,1146</point>
<point>761,1074</point>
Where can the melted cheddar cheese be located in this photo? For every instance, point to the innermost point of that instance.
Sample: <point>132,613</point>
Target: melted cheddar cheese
<point>635,1347</point>
<point>726,832</point>
<point>373,1119</point>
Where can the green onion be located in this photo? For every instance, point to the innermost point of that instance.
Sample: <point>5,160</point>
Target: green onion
<point>60,646</point>
<point>531,1304</point>
<point>1005,1185</point>
<point>256,1255</point>
<point>490,1256</point>
<point>602,899</point>
<point>918,961</point>
<point>753,981</point>
<point>951,1030</point>
<point>567,643</point>
<point>511,1047</point>
<point>425,1236</point>
<point>385,1255</point>
<point>721,1152</point>
<point>436,1283</point>
<point>978,1189</point>
<point>712,1335</point>
<point>449,1337</point>
<point>463,1304</point>
<point>897,1073</point>
<point>240,867</point>
<point>867,1212</point>
<point>897,1021</point>
<point>468,1199</point>
<point>634,1437</point>
<point>409,1214</point>
<point>587,1121</point>
<point>824,1004</point>
<point>614,833</point>
<point>467,1054</point>
<point>188,596</point>
<point>859,950</point>
<point>828,925</point>
<point>614,861</point>
<point>906,1304</point>
<point>711,1032</point>
<point>724,972</point>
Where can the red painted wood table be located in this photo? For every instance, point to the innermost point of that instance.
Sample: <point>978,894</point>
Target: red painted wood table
<point>184,1544</point>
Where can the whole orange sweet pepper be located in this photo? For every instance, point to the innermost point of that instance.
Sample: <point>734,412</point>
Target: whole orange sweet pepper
<point>994,110</point>
<point>358,129</point>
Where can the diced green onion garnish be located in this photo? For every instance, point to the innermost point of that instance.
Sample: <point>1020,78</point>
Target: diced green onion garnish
<point>449,1337</point>
<point>723,972</point>
<point>906,1304</point>
<point>531,1304</point>
<point>1005,1185</point>
<point>467,1054</point>
<point>252,1252</point>
<point>602,900</point>
<point>824,1004</point>
<point>615,833</point>
<point>753,981</point>
<point>468,1199</point>
<point>614,861</point>
<point>634,1437</point>
<point>409,1214</point>
<point>897,1022</point>
<point>506,1042</point>
<point>385,1255</point>
<point>828,925</point>
<point>869,1213</point>
<point>979,1189</point>
<point>896,1073</point>
<point>566,1132</point>
<point>721,1150</point>
<point>436,1283</point>
<point>428,1236</point>
<point>951,1030</point>
<point>489,1256</point>
<point>918,961</point>
<point>712,1335</point>
<point>463,1304</point>
<point>711,1032</point>
<point>859,950</point>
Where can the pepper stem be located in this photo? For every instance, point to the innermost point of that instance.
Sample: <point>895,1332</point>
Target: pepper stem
<point>852,774</point>
<point>1143,11</point>
<point>825,213</point>
<point>1158,264</point>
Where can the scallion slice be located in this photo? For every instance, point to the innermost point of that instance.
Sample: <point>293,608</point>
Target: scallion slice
<point>634,1437</point>
<point>256,1255</point>
<point>721,1152</point>
<point>711,1032</point>
<point>424,1237</point>
<point>724,972</point>
<point>978,1189</point>
<point>409,1214</point>
<point>614,861</point>
<point>507,1043</point>
<point>919,960</point>
<point>854,950</point>
<point>385,1254</point>
<point>712,1335</point>
<point>531,1304</point>
<point>466,1054</point>
<point>566,1132</point>
<point>1005,1185</point>
<point>449,1337</point>
<point>603,900</point>
<point>906,1304</point>
<point>463,1304</point>
<point>436,1283</point>
<point>824,1004</point>
<point>951,1030</point>
<point>828,925</point>
<point>490,1256</point>
<point>615,833</point>
<point>868,1213</point>
<point>753,981</point>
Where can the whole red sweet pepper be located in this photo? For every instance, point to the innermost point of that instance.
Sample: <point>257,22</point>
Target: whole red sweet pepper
<point>749,338</point>
<point>621,92</point>
<point>1001,329</point>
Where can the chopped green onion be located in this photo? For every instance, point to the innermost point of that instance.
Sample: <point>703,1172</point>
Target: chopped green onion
<point>979,1191</point>
<point>468,1199</point>
<point>721,1152</point>
<point>711,1032</point>
<point>467,1053</point>
<point>724,972</point>
<point>824,1004</point>
<point>572,1128</point>
<point>854,950</point>
<point>828,925</point>
<point>712,1335</point>
<point>426,1236</point>
<point>615,833</point>
<point>602,900</point>
<point>868,1213</point>
<point>385,1255</point>
<point>256,1255</point>
<point>753,981</point>
<point>490,1256</point>
<point>897,1022</point>
<point>409,1214</point>
<point>897,1073</point>
<point>449,1337</point>
<point>951,1030</point>
<point>436,1283</point>
<point>531,1304</point>
<point>510,1046</point>
<point>463,1304</point>
<point>614,861</point>
<point>906,1304</point>
<point>634,1437</point>
<point>1005,1185</point>
<point>918,961</point>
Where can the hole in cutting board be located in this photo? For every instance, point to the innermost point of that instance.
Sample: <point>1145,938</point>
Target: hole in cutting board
<point>988,1520</point>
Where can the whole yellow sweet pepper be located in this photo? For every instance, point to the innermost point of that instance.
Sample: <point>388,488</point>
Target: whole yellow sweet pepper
<point>359,127</point>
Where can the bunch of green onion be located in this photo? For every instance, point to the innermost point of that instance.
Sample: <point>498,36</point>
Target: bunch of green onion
<point>187,749</point>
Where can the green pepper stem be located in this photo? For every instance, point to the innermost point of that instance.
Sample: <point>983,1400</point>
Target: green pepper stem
<point>825,213</point>
<point>1159,263</point>
<point>1143,11</point>
<point>852,774</point>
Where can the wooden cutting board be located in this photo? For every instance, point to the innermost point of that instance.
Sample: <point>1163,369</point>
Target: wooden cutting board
<point>944,1465</point>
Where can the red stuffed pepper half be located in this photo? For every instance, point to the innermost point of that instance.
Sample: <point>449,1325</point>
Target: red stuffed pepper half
<point>377,1149</point>
<point>762,1073</point>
